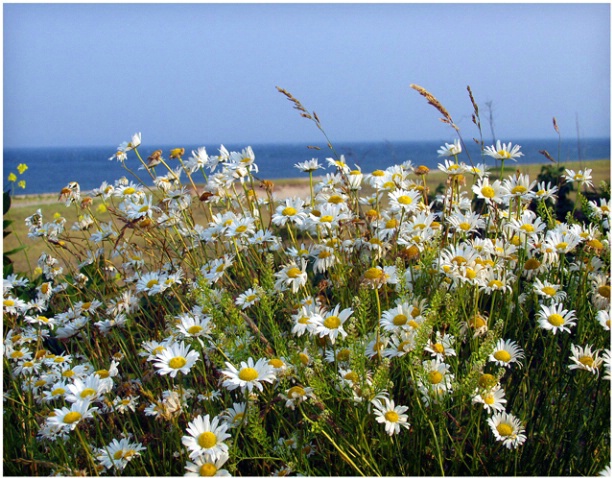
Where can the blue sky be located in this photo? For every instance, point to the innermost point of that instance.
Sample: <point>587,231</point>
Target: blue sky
<point>93,74</point>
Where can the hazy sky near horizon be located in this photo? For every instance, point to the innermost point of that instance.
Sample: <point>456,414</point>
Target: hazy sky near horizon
<point>94,74</point>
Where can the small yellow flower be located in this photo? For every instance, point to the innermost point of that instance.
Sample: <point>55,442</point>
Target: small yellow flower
<point>177,153</point>
<point>12,177</point>
<point>102,208</point>
<point>21,184</point>
<point>22,168</point>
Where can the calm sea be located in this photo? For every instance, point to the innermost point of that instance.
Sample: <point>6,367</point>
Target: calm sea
<point>50,169</point>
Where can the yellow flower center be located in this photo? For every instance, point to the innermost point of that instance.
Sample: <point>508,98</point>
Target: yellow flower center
<point>9,303</point>
<point>335,199</point>
<point>438,348</point>
<point>495,284</point>
<point>248,374</point>
<point>391,416</point>
<point>378,173</point>
<point>478,322</point>
<point>303,320</point>
<point>208,469</point>
<point>399,320</point>
<point>324,254</point>
<point>489,399</point>
<point>304,358</point>
<point>159,349</point>
<point>296,391</point>
<point>88,392</point>
<point>151,283</point>
<point>391,224</point>
<point>240,229</point>
<point>128,191</point>
<point>118,455</point>
<point>586,360</point>
<point>289,211</point>
<point>17,354</point>
<point>532,264</point>
<point>68,373</point>
<point>504,429</point>
<point>72,417</point>
<point>195,329</point>
<point>373,273</point>
<point>488,192</point>
<point>550,291</point>
<point>604,290</point>
<point>414,324</point>
<point>332,322</point>
<point>405,200</point>
<point>465,226</point>
<point>519,189</point>
<point>434,377</point>
<point>352,376</point>
<point>502,356</point>
<point>207,440</point>
<point>276,363</point>
<point>343,355</point>
<point>58,391</point>
<point>326,219</point>
<point>294,272</point>
<point>595,244</point>
<point>177,362</point>
<point>459,260</point>
<point>487,380</point>
<point>470,273</point>
<point>527,228</point>
<point>103,373</point>
<point>556,320</point>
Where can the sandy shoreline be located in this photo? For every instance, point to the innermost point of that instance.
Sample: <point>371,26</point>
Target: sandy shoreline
<point>283,189</point>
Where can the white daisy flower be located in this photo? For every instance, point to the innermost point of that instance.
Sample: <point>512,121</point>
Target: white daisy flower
<point>441,347</point>
<point>309,166</point>
<point>581,177</point>
<point>603,317</point>
<point>506,352</point>
<point>206,438</point>
<point>556,318</point>
<point>331,324</point>
<point>507,429</point>
<point>292,211</point>
<point>248,298</point>
<point>450,149</point>
<point>503,151</point>
<point>492,399</point>
<point>549,290</point>
<point>393,417</point>
<point>249,375</point>
<point>118,453</point>
<point>175,358</point>
<point>585,359</point>
<point>69,418</point>
<point>91,389</point>
<point>235,415</point>
<point>205,466</point>
<point>296,395</point>
<point>291,275</point>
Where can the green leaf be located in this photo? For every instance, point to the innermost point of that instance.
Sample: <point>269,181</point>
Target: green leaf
<point>15,251</point>
<point>6,202</point>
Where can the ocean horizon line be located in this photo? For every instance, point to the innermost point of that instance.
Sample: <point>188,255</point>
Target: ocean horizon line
<point>305,143</point>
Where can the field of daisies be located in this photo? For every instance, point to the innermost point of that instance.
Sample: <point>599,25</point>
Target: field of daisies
<point>372,328</point>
